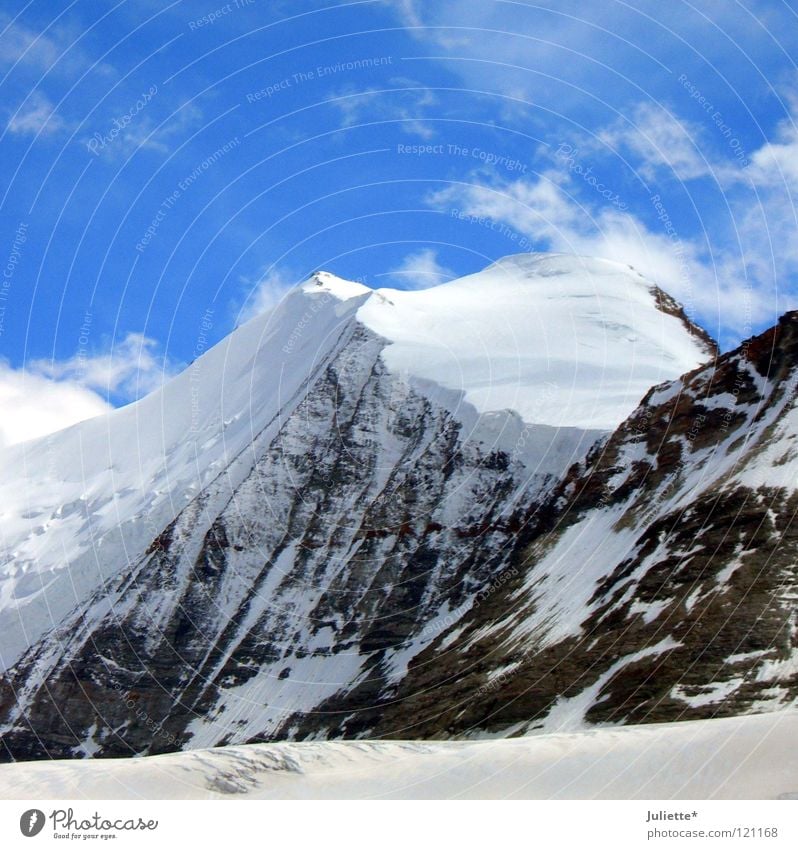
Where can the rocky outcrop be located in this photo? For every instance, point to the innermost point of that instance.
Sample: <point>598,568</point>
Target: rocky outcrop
<point>658,582</point>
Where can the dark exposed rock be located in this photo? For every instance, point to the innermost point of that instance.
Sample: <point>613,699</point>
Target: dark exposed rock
<point>712,562</point>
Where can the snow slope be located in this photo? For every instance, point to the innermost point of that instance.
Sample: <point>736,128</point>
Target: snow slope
<point>753,757</point>
<point>93,496</point>
<point>564,340</point>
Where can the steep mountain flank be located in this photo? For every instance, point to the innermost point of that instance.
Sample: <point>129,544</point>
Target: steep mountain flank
<point>657,582</point>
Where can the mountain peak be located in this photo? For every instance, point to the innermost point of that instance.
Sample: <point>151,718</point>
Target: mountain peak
<point>568,354</point>
<point>338,287</point>
<point>541,267</point>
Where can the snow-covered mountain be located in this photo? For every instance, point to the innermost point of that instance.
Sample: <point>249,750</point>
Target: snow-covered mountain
<point>351,498</point>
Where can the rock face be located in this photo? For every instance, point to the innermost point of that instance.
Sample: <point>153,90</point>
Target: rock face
<point>355,544</point>
<point>657,582</point>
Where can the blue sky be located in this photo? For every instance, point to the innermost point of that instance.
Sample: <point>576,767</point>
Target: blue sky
<point>170,168</point>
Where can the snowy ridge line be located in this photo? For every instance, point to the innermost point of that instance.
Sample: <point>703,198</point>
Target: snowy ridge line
<point>218,495</point>
<point>118,541</point>
<point>750,757</point>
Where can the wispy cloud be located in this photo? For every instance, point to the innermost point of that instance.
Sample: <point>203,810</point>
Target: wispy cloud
<point>408,104</point>
<point>409,11</point>
<point>776,162</point>
<point>264,292</point>
<point>54,50</point>
<point>659,142</point>
<point>129,132</point>
<point>582,59</point>
<point>424,20</point>
<point>18,43</point>
<point>36,116</point>
<point>131,369</point>
<point>547,211</point>
<point>736,272</point>
<point>420,270</point>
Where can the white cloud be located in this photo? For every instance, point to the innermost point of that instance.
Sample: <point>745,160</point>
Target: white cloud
<point>546,210</point>
<point>421,270</point>
<point>121,134</point>
<point>658,140</point>
<point>264,294</point>
<point>34,405</point>
<point>408,12</point>
<point>57,49</point>
<point>131,369</point>
<point>130,131</point>
<point>562,38</point>
<point>36,117</point>
<point>776,163</point>
<point>49,395</point>
<point>20,44</point>
<point>405,104</point>
<point>427,25</point>
<point>736,274</point>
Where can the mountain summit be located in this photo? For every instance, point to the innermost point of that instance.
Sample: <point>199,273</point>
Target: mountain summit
<point>268,545</point>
